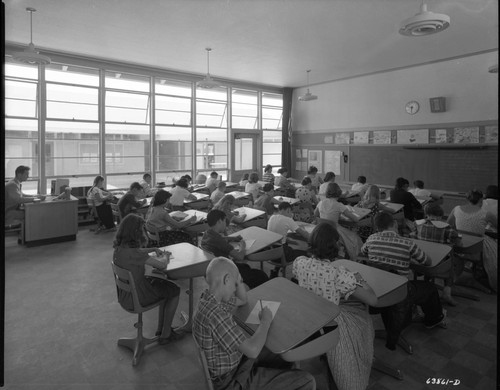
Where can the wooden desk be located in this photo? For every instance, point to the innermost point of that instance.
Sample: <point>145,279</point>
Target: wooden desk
<point>396,207</point>
<point>198,196</point>
<point>469,244</point>
<point>359,212</point>
<point>423,200</point>
<point>239,194</point>
<point>389,288</point>
<point>437,252</point>
<point>263,238</point>
<point>250,213</point>
<point>286,199</point>
<point>188,262</point>
<point>50,221</point>
<point>300,315</point>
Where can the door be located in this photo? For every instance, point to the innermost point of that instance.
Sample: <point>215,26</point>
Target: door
<point>245,155</point>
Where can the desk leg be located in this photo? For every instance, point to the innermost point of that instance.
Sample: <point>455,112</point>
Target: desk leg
<point>402,342</point>
<point>387,369</point>
<point>188,320</point>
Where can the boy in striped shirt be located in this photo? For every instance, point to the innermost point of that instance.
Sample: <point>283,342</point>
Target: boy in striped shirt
<point>391,252</point>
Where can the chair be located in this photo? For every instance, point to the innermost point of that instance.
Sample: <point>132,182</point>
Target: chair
<point>204,365</point>
<point>275,256</point>
<point>125,281</point>
<point>16,226</point>
<point>93,213</point>
<point>117,215</point>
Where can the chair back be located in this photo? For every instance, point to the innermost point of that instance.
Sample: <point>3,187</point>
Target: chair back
<point>124,280</point>
<point>204,365</point>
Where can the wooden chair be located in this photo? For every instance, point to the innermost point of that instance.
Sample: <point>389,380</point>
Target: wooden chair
<point>274,256</point>
<point>125,281</point>
<point>204,365</point>
<point>16,226</point>
<point>117,215</point>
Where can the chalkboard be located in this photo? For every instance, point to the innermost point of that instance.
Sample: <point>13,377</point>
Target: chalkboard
<point>447,169</point>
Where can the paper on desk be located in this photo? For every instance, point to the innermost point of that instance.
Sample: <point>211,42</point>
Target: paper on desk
<point>253,317</point>
<point>153,254</point>
<point>248,243</point>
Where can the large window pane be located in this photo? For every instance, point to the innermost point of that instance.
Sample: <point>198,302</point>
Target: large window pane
<point>127,148</point>
<point>21,136</point>
<point>211,149</point>
<point>272,111</point>
<point>173,110</point>
<point>271,149</point>
<point>173,148</point>
<point>244,109</point>
<point>128,82</point>
<point>20,98</point>
<point>173,87</point>
<point>69,74</point>
<point>70,102</point>
<point>127,107</point>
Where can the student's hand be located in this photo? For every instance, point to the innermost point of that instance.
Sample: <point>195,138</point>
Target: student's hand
<point>42,197</point>
<point>242,245</point>
<point>266,316</point>
<point>192,219</point>
<point>238,238</point>
<point>243,216</point>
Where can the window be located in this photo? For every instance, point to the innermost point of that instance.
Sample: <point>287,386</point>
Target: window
<point>272,116</point>
<point>244,109</point>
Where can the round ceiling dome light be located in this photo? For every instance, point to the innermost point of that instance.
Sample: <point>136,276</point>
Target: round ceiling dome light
<point>424,23</point>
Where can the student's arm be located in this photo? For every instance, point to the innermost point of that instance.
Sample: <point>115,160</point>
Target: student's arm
<point>190,197</point>
<point>252,346</point>
<point>161,261</point>
<point>241,292</point>
<point>419,256</point>
<point>451,219</point>
<point>238,254</point>
<point>302,232</point>
<point>316,211</point>
<point>492,219</point>
<point>364,293</point>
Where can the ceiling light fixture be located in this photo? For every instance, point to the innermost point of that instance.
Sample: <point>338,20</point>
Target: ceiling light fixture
<point>30,55</point>
<point>208,82</point>
<point>308,95</point>
<point>493,69</point>
<point>424,23</point>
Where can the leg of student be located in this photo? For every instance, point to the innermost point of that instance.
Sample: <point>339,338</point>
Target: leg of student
<point>106,215</point>
<point>168,307</point>
<point>425,295</point>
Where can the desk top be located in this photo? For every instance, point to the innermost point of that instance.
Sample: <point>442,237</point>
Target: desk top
<point>286,199</point>
<point>469,244</point>
<point>396,207</point>
<point>263,238</point>
<point>188,261</point>
<point>357,211</point>
<point>388,287</point>
<point>250,213</point>
<point>437,252</point>
<point>201,216</point>
<point>199,196</point>
<point>238,194</point>
<point>300,315</point>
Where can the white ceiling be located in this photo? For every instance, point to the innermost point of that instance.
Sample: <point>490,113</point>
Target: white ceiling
<point>264,41</point>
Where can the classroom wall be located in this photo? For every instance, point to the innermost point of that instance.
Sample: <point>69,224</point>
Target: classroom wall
<point>378,101</point>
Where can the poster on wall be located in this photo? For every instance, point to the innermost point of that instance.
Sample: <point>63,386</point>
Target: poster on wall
<point>342,138</point>
<point>441,136</point>
<point>466,135</point>
<point>491,134</point>
<point>304,166</point>
<point>420,136</point>
<point>315,158</point>
<point>304,153</point>
<point>297,153</point>
<point>328,139</point>
<point>332,161</point>
<point>361,137</point>
<point>382,137</point>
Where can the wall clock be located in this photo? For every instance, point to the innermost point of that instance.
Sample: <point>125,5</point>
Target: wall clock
<point>412,107</point>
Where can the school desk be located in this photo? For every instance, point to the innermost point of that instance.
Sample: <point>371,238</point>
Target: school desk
<point>187,262</point>
<point>263,238</point>
<point>240,198</point>
<point>300,315</point>
<point>253,217</point>
<point>50,221</point>
<point>359,212</point>
<point>199,226</point>
<point>280,199</point>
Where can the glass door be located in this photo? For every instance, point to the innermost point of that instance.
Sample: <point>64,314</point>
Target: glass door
<point>246,155</point>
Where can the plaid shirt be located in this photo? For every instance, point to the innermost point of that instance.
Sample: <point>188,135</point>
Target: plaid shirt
<point>217,334</point>
<point>429,232</point>
<point>388,250</point>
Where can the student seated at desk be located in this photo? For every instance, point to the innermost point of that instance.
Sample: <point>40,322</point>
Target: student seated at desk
<point>401,195</point>
<point>306,192</point>
<point>371,200</point>
<point>331,209</point>
<point>391,252</point>
<point>268,174</point>
<point>146,185</point>
<point>432,228</point>
<point>284,184</point>
<point>472,218</point>
<point>236,361</point>
<point>179,194</point>
<point>14,196</point>
<point>490,204</point>
<point>200,179</point>
<point>130,253</point>
<point>351,360</point>
<point>244,180</point>
<point>100,197</point>
<point>212,182</point>
<point>219,192</point>
<point>233,218</point>
<point>158,220</point>
<point>128,203</point>
<point>360,186</point>
<point>265,202</point>
<point>253,187</point>
<point>329,178</point>
<point>283,223</point>
<point>213,241</point>
<point>316,179</point>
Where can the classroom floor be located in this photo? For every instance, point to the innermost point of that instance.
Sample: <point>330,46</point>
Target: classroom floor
<point>62,321</point>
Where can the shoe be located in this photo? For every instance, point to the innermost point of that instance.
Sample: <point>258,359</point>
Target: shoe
<point>174,336</point>
<point>449,300</point>
<point>441,323</point>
